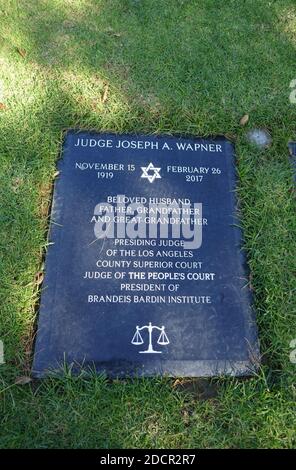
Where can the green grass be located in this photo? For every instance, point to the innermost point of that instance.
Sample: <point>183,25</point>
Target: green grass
<point>192,67</point>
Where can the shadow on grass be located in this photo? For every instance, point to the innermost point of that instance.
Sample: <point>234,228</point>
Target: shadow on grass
<point>176,66</point>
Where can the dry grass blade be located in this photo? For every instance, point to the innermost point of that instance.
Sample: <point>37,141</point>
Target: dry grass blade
<point>105,93</point>
<point>22,52</point>
<point>23,380</point>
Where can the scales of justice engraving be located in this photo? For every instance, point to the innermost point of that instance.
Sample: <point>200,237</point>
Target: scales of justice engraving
<point>163,340</point>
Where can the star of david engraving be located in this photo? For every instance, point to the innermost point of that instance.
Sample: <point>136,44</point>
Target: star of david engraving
<point>150,168</point>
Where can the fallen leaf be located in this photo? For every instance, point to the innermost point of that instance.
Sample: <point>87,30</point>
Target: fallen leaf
<point>176,383</point>
<point>186,417</point>
<point>111,32</point>
<point>244,120</point>
<point>22,52</point>
<point>2,106</point>
<point>105,93</point>
<point>23,380</point>
<point>39,278</point>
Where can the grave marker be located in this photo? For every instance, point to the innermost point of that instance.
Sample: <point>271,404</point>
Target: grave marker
<point>146,274</point>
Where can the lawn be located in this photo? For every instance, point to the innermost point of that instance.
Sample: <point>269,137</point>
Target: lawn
<point>149,66</point>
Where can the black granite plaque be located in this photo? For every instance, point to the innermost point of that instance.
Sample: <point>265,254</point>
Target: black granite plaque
<point>145,273</point>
